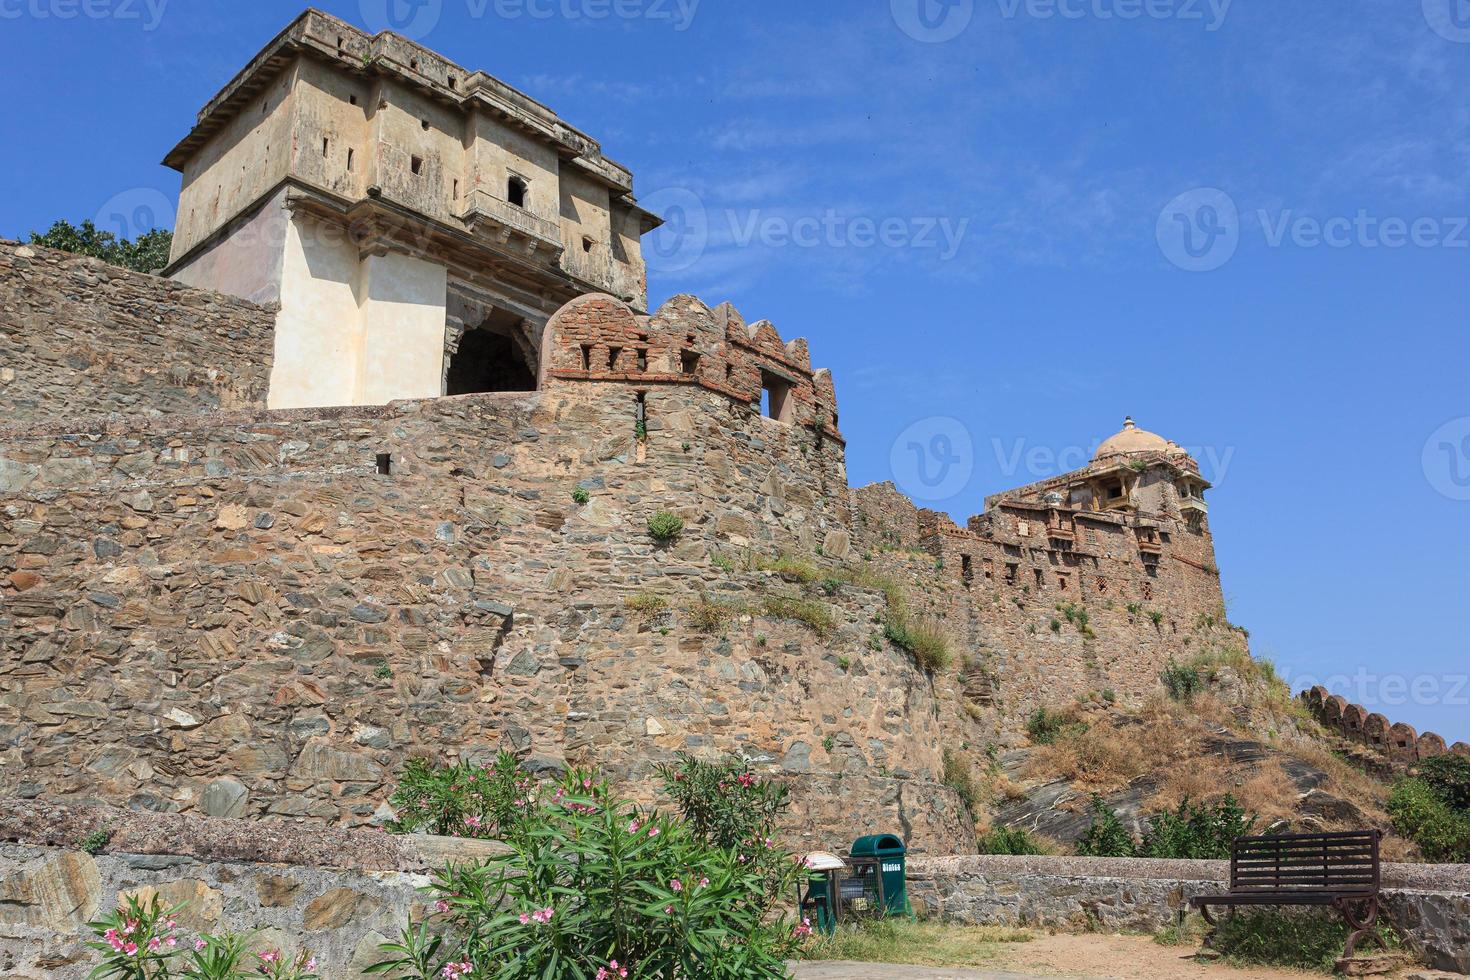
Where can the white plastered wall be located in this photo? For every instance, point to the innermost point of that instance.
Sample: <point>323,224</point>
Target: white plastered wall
<point>355,330</point>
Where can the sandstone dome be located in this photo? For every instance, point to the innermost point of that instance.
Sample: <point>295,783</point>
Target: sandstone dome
<point>1133,440</point>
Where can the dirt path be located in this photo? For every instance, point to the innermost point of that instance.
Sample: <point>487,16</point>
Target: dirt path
<point>1122,958</point>
<point>1089,957</point>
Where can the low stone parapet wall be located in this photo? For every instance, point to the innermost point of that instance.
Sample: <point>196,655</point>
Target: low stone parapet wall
<point>1428,904</point>
<point>336,893</point>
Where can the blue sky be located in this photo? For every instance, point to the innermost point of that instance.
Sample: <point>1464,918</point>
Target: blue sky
<point>1008,223</point>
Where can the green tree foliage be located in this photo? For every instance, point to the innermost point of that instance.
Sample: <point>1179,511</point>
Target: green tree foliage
<point>147,253</point>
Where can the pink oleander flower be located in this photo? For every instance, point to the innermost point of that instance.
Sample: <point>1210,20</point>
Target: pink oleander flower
<point>668,910</point>
<point>525,919</point>
<point>472,821</point>
<point>170,924</point>
<point>704,883</point>
<point>587,784</point>
<point>633,827</point>
<point>130,948</point>
<point>441,906</point>
<point>154,943</point>
<point>676,885</point>
<point>311,965</point>
<point>270,956</point>
<point>653,831</point>
<point>199,945</point>
<point>172,941</point>
<point>804,929</point>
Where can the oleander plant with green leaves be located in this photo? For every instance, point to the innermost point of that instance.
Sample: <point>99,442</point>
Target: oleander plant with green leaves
<point>595,886</point>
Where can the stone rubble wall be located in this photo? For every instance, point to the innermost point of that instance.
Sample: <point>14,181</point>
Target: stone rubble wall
<point>78,335</point>
<point>338,894</point>
<point>1017,661</point>
<point>238,614</point>
<point>1429,905</point>
<point>1400,743</point>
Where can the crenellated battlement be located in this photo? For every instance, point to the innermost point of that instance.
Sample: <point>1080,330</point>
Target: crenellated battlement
<point>1399,743</point>
<point>600,338</point>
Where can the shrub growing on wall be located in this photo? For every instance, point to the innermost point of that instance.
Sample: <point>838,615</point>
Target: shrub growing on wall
<point>1199,831</point>
<point>665,526</point>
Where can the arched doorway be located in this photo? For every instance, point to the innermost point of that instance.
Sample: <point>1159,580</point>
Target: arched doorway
<point>493,356</point>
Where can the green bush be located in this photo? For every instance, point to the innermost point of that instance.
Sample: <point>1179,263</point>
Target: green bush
<point>1197,831</point>
<point>1182,682</point>
<point>724,802</point>
<point>1009,840</point>
<point>815,615</point>
<point>665,526</point>
<point>1046,726</point>
<point>1420,813</point>
<point>958,777</point>
<point>581,495</point>
<point>1301,940</point>
<point>594,885</point>
<point>1107,837</point>
<point>928,645</point>
<point>711,617</point>
<point>1449,777</point>
<point>463,800</point>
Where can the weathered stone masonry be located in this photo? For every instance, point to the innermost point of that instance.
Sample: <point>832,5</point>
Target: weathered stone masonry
<point>197,606</point>
<point>80,336</point>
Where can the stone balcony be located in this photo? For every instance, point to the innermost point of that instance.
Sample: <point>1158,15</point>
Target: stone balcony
<point>486,214</point>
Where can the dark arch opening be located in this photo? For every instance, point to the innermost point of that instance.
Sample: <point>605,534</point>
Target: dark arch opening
<point>487,361</point>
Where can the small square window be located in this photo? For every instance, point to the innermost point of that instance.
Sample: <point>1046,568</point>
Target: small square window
<point>416,164</point>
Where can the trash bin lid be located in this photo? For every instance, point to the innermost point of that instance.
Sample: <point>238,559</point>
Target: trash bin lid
<point>824,861</point>
<point>878,844</point>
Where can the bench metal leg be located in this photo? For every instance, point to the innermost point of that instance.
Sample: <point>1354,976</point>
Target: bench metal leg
<point>1365,927</point>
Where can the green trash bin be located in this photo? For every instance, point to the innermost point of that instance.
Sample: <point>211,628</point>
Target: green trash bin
<point>882,856</point>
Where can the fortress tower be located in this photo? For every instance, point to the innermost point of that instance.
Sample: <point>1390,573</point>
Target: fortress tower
<point>417,223</point>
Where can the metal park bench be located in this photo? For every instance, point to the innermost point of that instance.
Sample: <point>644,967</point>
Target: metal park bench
<point>1339,871</point>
